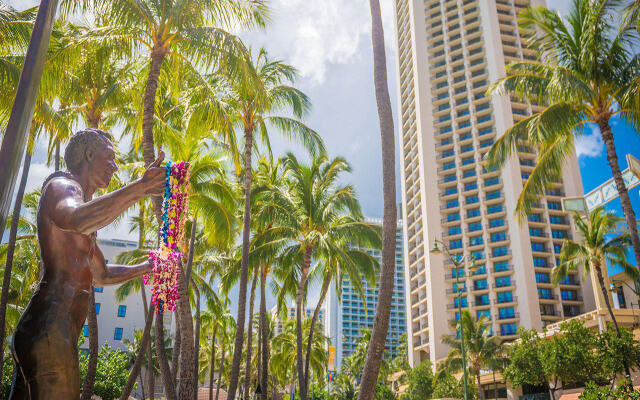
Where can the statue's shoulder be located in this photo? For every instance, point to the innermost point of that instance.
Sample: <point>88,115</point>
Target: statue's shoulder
<point>60,183</point>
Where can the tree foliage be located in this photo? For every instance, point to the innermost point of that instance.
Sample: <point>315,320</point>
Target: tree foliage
<point>112,372</point>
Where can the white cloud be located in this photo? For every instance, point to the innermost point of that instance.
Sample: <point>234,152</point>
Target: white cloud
<point>590,144</point>
<point>313,34</point>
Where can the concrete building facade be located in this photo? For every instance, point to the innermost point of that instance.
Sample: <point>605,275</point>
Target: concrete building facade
<point>449,51</point>
<point>347,316</point>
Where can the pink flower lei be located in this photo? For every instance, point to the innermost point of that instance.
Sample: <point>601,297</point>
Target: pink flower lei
<point>166,259</point>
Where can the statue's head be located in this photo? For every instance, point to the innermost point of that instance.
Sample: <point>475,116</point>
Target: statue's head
<point>90,151</point>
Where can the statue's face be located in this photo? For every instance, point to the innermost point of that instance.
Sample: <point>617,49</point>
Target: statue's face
<point>103,166</point>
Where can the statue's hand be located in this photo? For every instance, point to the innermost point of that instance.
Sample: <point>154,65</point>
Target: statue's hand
<point>154,176</point>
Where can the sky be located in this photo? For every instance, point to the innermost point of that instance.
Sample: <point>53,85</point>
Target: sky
<point>328,41</point>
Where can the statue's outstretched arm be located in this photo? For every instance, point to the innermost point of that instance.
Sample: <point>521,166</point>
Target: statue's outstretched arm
<point>104,274</point>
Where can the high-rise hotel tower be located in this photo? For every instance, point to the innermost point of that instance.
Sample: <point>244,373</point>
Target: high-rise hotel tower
<point>449,51</point>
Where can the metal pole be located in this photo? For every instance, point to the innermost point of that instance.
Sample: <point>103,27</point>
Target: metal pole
<point>15,136</point>
<point>464,354</point>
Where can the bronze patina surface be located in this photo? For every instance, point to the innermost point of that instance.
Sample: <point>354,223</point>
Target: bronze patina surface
<point>44,345</point>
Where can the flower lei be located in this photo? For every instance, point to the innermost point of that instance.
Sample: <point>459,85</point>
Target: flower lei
<point>166,259</point>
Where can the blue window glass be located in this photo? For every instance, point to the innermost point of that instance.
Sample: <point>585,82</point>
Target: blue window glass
<point>557,248</point>
<point>471,186</point>
<point>525,176</point>
<point>84,352</point>
<point>478,255</point>
<point>499,252</point>
<point>97,308</point>
<point>98,290</point>
<point>505,297</point>
<point>122,311</point>
<point>466,149</point>
<point>535,218</point>
<point>451,190</point>
<point>85,331</point>
<point>542,278</point>
<point>491,182</point>
<point>468,161</point>
<point>453,217</point>
<point>503,281</point>
<point>455,244</point>
<point>457,273</point>
<point>488,117</point>
<point>539,262</point>
<point>480,284</point>
<point>482,300</point>
<point>508,329</point>
<point>465,137</point>
<point>486,143</point>
<point>569,295</point>
<point>554,205</point>
<point>473,213</point>
<point>455,230</point>
<point>494,209</point>
<point>450,178</point>
<point>545,294</point>
<point>475,227</point>
<point>463,301</point>
<point>501,266</point>
<point>475,241</point>
<point>495,223</point>
<point>450,165</point>
<point>468,174</point>
<point>452,204</point>
<point>535,232</point>
<point>493,195</point>
<point>481,270</point>
<point>459,287</point>
<point>556,220</point>
<point>485,131</point>
<point>498,237</point>
<point>448,154</point>
<point>537,247</point>
<point>117,334</point>
<point>506,312</point>
<point>472,199</point>
<point>483,313</point>
<point>569,280</point>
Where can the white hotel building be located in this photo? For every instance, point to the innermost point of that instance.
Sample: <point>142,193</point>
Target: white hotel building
<point>449,51</point>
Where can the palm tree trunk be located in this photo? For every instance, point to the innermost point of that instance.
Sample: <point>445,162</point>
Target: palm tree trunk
<point>212,366</point>
<point>11,248</point>
<point>220,372</point>
<point>247,373</point>
<point>177,347</point>
<point>316,312</point>
<point>186,379</point>
<point>383,308</point>
<point>150,377</point>
<point>165,371</point>
<point>57,156</point>
<point>137,364</point>
<point>196,340</point>
<point>148,147</point>
<point>142,386</point>
<point>264,337</point>
<point>306,263</point>
<point>612,158</point>
<point>244,272</point>
<point>92,322</point>
<point>480,391</point>
<point>605,293</point>
<point>259,354</point>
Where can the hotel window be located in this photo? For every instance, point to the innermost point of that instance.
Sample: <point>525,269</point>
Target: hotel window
<point>455,230</point>
<point>501,266</point>
<point>545,294</point>
<point>500,251</point>
<point>483,313</point>
<point>470,186</point>
<point>481,270</point>
<point>463,302</point>
<point>558,234</point>
<point>455,244</point>
<point>557,248</point>
<point>498,237</point>
<point>494,223</point>
<point>505,297</point>
<point>482,300</point>
<point>493,195</point>
<point>478,255</point>
<point>508,329</point>
<point>473,213</point>
<point>453,217</point>
<point>450,178</point>
<point>554,205</point>
<point>542,278</point>
<point>480,284</point>
<point>457,273</point>
<point>494,209</point>
<point>491,182</point>
<point>472,199</point>
<point>535,232</point>
<point>122,311</point>
<point>475,227</point>
<point>452,204</point>
<point>98,290</point>
<point>97,308</point>
<point>117,334</point>
<point>475,241</point>
<point>85,331</point>
<point>507,312</point>
<point>537,247</point>
<point>539,262</point>
<point>503,281</point>
<point>569,295</point>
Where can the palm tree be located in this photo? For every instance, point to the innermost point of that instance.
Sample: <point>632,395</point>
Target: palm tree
<point>586,73</point>
<point>252,101</point>
<point>315,218</point>
<point>481,348</point>
<point>354,364</point>
<point>599,245</point>
<point>389,221</point>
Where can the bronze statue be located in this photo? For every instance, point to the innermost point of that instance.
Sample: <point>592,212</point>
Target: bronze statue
<point>45,344</point>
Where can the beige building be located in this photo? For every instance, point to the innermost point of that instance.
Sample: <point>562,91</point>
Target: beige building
<point>449,51</point>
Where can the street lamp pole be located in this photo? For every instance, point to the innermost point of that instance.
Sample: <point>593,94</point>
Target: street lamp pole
<point>457,263</point>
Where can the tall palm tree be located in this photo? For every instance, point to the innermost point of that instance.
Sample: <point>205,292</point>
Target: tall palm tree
<point>252,101</point>
<point>600,245</point>
<point>316,218</point>
<point>481,348</point>
<point>389,220</point>
<point>586,73</point>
